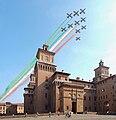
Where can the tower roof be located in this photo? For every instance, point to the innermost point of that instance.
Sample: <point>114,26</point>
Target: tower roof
<point>101,63</point>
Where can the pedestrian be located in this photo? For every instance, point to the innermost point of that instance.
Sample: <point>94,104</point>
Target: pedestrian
<point>49,114</point>
<point>25,114</point>
<point>58,113</point>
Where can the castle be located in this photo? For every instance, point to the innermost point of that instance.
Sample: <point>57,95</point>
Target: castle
<point>54,91</point>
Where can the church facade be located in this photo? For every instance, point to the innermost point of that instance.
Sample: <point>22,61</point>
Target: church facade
<point>54,91</point>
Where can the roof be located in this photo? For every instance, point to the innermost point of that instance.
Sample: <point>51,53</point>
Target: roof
<point>75,80</point>
<point>31,88</point>
<point>63,73</point>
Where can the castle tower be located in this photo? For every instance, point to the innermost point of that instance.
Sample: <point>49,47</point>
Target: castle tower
<point>28,96</point>
<point>101,72</point>
<point>44,69</point>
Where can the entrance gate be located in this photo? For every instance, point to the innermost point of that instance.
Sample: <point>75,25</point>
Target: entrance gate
<point>74,107</point>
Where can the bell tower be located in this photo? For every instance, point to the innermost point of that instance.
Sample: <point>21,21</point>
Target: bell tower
<point>44,69</point>
<point>101,72</point>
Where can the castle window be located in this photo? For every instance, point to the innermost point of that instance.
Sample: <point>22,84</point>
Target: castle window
<point>89,98</point>
<point>31,102</point>
<point>101,97</point>
<point>65,78</point>
<point>113,87</point>
<point>67,107</point>
<point>46,49</point>
<point>95,98</point>
<point>43,67</point>
<point>46,95</point>
<point>84,97</point>
<point>59,77</point>
<point>103,90</point>
<point>48,68</point>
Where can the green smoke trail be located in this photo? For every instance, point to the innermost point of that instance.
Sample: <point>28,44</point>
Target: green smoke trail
<point>19,77</point>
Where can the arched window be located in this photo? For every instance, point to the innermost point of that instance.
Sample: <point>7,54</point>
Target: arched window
<point>50,69</point>
<point>43,67</point>
<point>46,68</point>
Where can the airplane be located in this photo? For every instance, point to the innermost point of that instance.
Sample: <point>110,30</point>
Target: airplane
<point>63,29</point>
<point>78,31</point>
<point>82,11</point>
<point>78,38</point>
<point>83,19</point>
<point>69,15</point>
<point>77,23</point>
<point>83,27</point>
<point>70,25</point>
<point>76,13</point>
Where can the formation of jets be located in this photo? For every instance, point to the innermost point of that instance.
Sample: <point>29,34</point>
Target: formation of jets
<point>77,31</point>
<point>69,15</point>
<point>78,38</point>
<point>83,27</point>
<point>70,25</point>
<point>77,23</point>
<point>82,11</point>
<point>63,29</point>
<point>82,20</point>
<point>76,13</point>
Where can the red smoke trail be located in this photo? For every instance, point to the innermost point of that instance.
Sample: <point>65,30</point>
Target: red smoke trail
<point>64,43</point>
<point>64,38</point>
<point>15,89</point>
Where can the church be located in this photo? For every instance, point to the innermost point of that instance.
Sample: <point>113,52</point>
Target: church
<point>54,91</point>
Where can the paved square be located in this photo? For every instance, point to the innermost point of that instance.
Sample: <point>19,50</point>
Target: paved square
<point>73,117</point>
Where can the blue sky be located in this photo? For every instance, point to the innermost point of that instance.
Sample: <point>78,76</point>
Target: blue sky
<point>26,24</point>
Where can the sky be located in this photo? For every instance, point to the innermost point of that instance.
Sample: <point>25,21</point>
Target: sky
<point>25,25</point>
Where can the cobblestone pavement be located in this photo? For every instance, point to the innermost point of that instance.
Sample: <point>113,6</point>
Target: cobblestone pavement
<point>73,117</point>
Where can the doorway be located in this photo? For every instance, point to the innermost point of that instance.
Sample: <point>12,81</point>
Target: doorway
<point>74,107</point>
